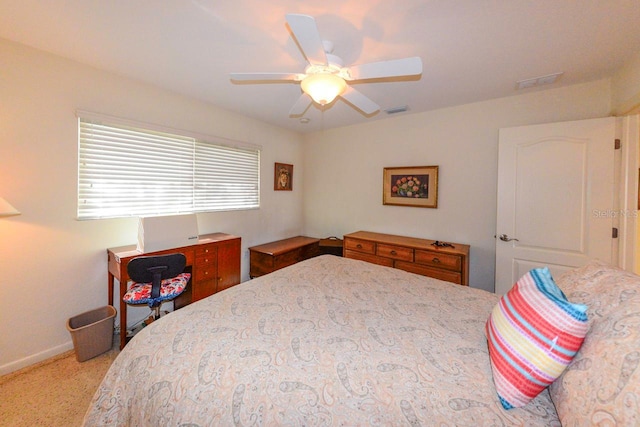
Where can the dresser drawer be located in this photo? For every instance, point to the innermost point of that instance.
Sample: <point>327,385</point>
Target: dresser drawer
<point>395,252</point>
<point>446,275</point>
<point>388,262</point>
<point>439,260</point>
<point>206,250</point>
<point>292,257</point>
<point>206,265</point>
<point>360,245</point>
<point>205,272</point>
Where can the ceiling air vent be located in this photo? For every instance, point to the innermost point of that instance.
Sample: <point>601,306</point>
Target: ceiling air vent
<point>538,81</point>
<point>396,110</point>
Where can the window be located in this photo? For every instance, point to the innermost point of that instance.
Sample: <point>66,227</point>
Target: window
<point>129,169</point>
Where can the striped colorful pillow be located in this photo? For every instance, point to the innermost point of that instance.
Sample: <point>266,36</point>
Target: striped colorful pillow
<point>533,333</point>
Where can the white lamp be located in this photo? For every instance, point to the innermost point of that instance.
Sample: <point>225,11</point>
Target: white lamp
<point>6,209</point>
<point>323,87</point>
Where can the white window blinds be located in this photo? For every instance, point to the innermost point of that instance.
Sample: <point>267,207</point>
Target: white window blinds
<point>126,170</point>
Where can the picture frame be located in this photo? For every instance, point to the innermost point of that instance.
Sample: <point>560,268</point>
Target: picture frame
<point>415,186</point>
<point>283,177</point>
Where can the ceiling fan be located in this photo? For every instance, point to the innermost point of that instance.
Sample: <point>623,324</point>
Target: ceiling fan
<point>325,78</point>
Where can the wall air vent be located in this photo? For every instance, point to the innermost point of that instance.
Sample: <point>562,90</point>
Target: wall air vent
<point>538,81</point>
<point>396,110</point>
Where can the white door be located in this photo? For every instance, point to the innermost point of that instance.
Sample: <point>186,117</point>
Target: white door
<point>555,197</point>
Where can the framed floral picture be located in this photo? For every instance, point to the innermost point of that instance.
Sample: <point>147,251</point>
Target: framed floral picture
<point>415,186</point>
<point>283,177</point>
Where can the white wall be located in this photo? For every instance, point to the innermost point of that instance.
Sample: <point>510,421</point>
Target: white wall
<point>626,86</point>
<point>343,173</point>
<point>54,267</point>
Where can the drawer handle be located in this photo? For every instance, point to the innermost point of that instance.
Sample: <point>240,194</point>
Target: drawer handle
<point>394,253</point>
<point>436,261</point>
<point>359,246</point>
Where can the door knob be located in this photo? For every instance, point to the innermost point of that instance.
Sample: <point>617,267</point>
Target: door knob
<point>506,238</point>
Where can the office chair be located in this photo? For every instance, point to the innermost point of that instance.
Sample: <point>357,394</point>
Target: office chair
<point>156,279</point>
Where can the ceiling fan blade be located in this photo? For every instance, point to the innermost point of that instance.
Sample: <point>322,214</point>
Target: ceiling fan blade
<point>266,76</point>
<point>360,101</point>
<point>393,68</point>
<point>306,31</point>
<point>301,105</point>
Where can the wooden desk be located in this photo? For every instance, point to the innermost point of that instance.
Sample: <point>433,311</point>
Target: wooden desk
<point>273,256</point>
<point>214,262</point>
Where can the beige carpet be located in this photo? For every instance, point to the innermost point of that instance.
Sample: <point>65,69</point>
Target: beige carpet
<point>56,392</point>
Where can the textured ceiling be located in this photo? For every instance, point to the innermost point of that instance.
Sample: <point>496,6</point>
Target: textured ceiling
<point>472,50</point>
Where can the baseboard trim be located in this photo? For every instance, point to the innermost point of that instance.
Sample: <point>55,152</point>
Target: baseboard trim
<point>34,359</point>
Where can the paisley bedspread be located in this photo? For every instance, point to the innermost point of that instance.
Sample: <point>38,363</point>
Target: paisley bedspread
<point>326,342</point>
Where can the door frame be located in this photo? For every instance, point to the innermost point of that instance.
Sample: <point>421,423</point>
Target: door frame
<point>629,243</point>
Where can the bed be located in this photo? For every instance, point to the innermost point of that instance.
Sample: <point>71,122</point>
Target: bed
<point>341,342</point>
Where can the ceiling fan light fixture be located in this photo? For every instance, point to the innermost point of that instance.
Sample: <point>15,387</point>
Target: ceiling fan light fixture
<point>323,88</point>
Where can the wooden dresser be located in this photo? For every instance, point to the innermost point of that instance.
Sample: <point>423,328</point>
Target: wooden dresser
<point>415,255</point>
<point>273,256</point>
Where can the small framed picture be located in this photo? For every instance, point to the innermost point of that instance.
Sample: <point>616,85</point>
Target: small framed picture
<point>415,186</point>
<point>283,177</point>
